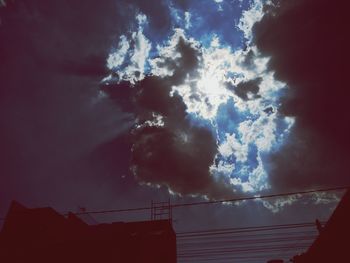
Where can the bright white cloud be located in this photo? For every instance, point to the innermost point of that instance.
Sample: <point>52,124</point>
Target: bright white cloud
<point>204,93</point>
<point>157,120</point>
<point>258,178</point>
<point>135,71</point>
<point>224,168</point>
<point>187,20</point>
<point>134,51</point>
<point>115,59</point>
<point>141,20</point>
<point>325,198</point>
<point>277,204</point>
<point>167,52</point>
<point>249,17</point>
<point>232,147</point>
<point>261,132</point>
<point>245,186</point>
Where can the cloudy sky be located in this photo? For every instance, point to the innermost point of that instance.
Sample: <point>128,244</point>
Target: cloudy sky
<point>110,105</point>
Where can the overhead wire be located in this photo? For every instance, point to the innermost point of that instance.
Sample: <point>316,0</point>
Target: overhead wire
<point>231,244</point>
<point>199,203</point>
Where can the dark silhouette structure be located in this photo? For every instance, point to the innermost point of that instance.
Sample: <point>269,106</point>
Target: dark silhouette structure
<point>332,244</point>
<point>42,235</point>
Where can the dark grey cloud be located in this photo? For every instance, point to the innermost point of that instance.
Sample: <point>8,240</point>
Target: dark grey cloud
<point>53,115</point>
<point>61,138</point>
<point>248,89</point>
<point>249,57</point>
<point>176,154</point>
<point>307,42</point>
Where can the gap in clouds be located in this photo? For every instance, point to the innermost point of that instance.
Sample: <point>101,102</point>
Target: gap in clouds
<point>220,83</point>
<point>189,92</point>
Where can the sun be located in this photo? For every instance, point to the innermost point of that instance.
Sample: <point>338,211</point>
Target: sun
<point>207,90</point>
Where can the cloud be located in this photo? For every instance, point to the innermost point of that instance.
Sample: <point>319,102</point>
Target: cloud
<point>168,147</point>
<point>249,18</point>
<point>189,132</point>
<point>187,20</point>
<point>159,17</point>
<point>2,3</point>
<point>232,146</point>
<point>128,59</point>
<point>53,114</point>
<point>116,59</point>
<point>179,97</point>
<point>179,93</point>
<point>307,43</point>
<point>248,89</point>
<point>176,153</point>
<point>278,204</point>
<point>177,107</point>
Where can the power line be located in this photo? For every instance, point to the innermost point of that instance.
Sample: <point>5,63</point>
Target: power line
<point>233,200</point>
<point>239,244</point>
<point>220,201</point>
<point>234,241</point>
<point>244,238</point>
<point>256,228</point>
<point>261,197</point>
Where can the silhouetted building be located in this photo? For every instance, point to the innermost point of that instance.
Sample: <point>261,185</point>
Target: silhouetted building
<point>332,244</point>
<point>42,235</point>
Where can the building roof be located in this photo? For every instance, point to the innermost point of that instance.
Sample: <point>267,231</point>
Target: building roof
<point>333,241</point>
<point>24,221</point>
<point>40,233</point>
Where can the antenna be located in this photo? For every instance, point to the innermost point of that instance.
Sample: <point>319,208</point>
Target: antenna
<point>161,210</point>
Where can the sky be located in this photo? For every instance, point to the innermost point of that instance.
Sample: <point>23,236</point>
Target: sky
<point>114,104</point>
